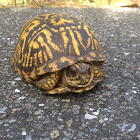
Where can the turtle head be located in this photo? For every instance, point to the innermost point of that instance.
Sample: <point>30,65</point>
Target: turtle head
<point>80,74</point>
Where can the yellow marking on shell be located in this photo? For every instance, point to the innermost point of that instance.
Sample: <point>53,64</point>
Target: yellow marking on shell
<point>31,61</point>
<point>93,33</point>
<point>88,42</point>
<point>40,56</point>
<point>18,56</point>
<point>53,45</point>
<point>62,21</point>
<point>24,62</point>
<point>101,56</point>
<point>40,70</point>
<point>53,65</point>
<point>75,43</point>
<point>23,36</point>
<point>43,44</point>
<point>89,58</point>
<point>49,40</point>
<point>54,30</point>
<point>28,57</point>
<point>45,56</point>
<point>35,45</point>
<point>92,54</point>
<point>27,78</point>
<point>61,29</point>
<point>35,59</point>
<point>80,39</point>
<point>64,59</point>
<point>65,39</point>
<point>43,26</point>
<point>96,44</point>
<point>24,73</point>
<point>18,70</point>
<point>46,16</point>
<point>32,74</point>
<point>40,39</point>
<point>79,27</point>
<point>68,28</point>
<point>34,24</point>
<point>73,27</point>
<point>69,49</point>
<point>85,27</point>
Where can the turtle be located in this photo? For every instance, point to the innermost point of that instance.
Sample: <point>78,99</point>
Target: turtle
<point>59,53</point>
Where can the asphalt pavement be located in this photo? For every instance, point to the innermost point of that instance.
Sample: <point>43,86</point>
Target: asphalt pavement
<point>110,111</point>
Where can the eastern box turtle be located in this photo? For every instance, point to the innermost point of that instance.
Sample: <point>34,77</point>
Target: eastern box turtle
<point>58,53</point>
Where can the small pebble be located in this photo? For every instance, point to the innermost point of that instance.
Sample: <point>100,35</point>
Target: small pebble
<point>69,122</point>
<point>126,54</point>
<point>12,121</point>
<point>105,119</point>
<point>18,79</point>
<point>28,137</point>
<point>21,98</point>
<point>24,133</point>
<point>96,112</point>
<point>54,134</point>
<point>41,104</point>
<point>101,121</point>
<point>17,90</point>
<point>138,68</point>
<point>13,82</point>
<point>89,116</point>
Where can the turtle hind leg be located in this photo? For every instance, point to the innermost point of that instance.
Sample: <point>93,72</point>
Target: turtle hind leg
<point>48,81</point>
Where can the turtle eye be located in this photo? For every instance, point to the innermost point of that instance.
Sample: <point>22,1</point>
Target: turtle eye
<point>72,72</point>
<point>89,70</point>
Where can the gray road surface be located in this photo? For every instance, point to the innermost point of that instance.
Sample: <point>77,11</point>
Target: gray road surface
<point>110,111</point>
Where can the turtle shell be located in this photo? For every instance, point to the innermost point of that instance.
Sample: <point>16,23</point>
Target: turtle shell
<point>51,42</point>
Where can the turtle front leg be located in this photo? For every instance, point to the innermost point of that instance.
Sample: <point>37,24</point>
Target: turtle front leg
<point>48,81</point>
<point>98,72</point>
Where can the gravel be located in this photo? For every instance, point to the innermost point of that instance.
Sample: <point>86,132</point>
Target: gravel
<point>110,111</point>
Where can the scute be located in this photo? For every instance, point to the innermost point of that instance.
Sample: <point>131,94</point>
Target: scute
<point>51,42</point>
